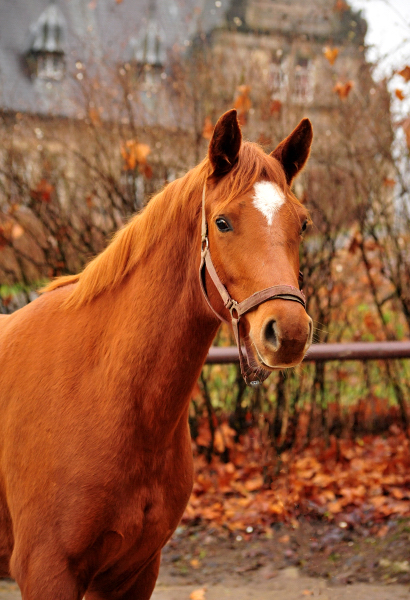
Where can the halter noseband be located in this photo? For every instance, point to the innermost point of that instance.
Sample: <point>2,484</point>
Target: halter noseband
<point>252,373</point>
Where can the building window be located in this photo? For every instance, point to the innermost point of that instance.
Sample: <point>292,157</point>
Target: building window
<point>302,91</point>
<point>50,66</point>
<point>46,49</point>
<point>278,77</point>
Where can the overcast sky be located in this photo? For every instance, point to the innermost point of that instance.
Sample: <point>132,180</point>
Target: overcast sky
<point>389,29</point>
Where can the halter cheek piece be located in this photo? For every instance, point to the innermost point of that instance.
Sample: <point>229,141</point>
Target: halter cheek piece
<point>252,372</point>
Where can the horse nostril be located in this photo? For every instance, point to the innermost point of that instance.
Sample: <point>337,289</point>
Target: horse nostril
<point>271,334</point>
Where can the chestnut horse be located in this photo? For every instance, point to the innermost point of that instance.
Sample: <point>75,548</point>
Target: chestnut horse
<point>96,374</point>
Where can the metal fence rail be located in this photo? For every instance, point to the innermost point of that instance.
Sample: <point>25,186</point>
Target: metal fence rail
<point>325,352</point>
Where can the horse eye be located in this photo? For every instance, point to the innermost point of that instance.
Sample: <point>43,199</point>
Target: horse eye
<point>223,225</point>
<point>304,227</point>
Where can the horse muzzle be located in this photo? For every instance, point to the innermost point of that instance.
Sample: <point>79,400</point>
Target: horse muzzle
<point>281,333</point>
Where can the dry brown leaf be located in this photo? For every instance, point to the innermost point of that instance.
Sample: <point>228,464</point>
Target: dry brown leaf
<point>343,89</point>
<point>198,594</point>
<point>405,73</point>
<point>331,54</point>
<point>196,392</point>
<point>378,501</point>
<point>146,170</point>
<point>134,154</point>
<point>335,507</point>
<point>43,191</point>
<point>276,508</point>
<point>95,116</point>
<point>13,208</point>
<point>219,444</point>
<point>142,151</point>
<point>16,231</point>
<point>341,6</point>
<point>254,484</point>
<point>275,107</point>
<point>204,436</point>
<point>382,531</point>
<point>243,102</point>
<point>242,118</point>
<point>228,435</point>
<point>208,129</point>
<point>406,127</point>
<point>388,182</point>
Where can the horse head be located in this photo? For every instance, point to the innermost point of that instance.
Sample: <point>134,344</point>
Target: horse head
<point>254,226</point>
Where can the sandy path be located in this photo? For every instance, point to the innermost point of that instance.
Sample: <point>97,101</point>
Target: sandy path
<point>287,585</point>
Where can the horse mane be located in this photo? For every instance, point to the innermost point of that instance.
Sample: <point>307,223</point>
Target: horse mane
<point>180,198</point>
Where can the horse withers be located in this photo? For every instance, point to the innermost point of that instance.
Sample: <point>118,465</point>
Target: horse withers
<point>96,374</point>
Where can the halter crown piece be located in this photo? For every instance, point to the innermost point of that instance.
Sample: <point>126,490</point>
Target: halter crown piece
<point>252,373</point>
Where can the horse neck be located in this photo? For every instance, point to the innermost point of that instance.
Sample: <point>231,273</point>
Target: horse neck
<point>161,328</point>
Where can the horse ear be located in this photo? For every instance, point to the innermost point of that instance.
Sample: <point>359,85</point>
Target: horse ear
<point>225,143</point>
<point>294,150</point>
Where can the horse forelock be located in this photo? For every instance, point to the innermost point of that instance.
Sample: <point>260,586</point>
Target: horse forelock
<point>253,166</point>
<point>180,199</point>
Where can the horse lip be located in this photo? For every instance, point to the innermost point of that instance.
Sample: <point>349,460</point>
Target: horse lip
<point>263,363</point>
<point>276,367</point>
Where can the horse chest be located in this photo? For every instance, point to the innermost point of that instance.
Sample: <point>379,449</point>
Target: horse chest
<point>145,518</point>
<point>159,499</point>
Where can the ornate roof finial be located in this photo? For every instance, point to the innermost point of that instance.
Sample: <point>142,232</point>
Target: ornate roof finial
<point>48,32</point>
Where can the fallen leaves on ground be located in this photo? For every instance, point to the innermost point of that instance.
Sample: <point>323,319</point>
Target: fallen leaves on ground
<point>348,482</point>
<point>198,594</point>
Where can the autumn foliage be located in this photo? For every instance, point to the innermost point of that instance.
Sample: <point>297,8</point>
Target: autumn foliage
<point>350,482</point>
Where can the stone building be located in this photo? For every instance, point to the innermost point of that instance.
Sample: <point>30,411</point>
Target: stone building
<point>88,89</point>
<point>49,48</point>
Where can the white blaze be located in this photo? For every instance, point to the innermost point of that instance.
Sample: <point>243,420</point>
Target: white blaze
<point>268,199</point>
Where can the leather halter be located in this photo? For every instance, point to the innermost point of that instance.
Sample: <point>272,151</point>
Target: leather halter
<point>252,372</point>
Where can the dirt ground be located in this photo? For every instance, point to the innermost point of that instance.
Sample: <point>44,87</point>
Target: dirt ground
<point>331,562</point>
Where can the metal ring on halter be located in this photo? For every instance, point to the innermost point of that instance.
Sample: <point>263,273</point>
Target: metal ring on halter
<point>232,306</point>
